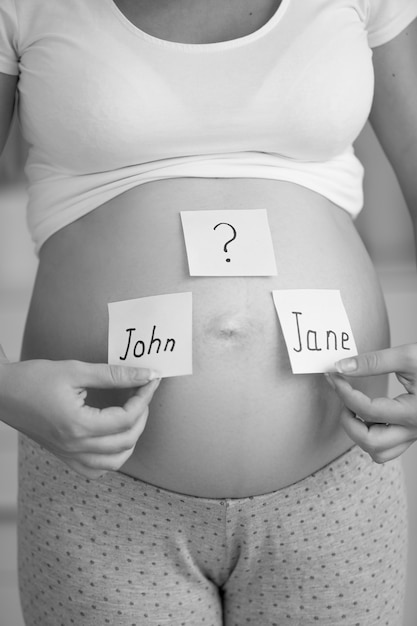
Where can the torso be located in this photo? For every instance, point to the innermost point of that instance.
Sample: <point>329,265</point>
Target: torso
<point>242,424</point>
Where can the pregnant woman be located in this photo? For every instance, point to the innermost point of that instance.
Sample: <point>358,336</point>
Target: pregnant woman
<point>241,493</point>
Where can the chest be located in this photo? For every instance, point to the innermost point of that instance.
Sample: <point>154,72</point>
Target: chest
<point>119,88</point>
<point>198,21</point>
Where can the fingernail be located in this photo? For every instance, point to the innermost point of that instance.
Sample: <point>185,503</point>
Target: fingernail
<point>346,365</point>
<point>153,375</point>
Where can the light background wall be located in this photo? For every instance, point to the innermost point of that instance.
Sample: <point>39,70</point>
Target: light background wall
<point>386,230</point>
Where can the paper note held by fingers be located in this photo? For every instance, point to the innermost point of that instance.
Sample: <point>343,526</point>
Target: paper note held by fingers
<point>228,243</point>
<point>316,328</point>
<point>153,332</point>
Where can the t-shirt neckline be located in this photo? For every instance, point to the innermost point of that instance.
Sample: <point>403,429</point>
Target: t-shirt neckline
<point>202,47</point>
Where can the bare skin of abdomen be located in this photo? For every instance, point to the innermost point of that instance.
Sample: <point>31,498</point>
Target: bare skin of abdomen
<point>242,423</point>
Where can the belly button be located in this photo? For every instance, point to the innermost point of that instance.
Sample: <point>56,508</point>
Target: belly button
<point>228,328</point>
<point>228,333</point>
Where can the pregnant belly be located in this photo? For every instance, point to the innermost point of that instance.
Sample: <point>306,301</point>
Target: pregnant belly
<point>242,423</point>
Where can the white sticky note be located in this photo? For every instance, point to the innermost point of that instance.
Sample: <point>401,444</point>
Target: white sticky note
<point>228,243</point>
<point>154,332</point>
<point>316,328</point>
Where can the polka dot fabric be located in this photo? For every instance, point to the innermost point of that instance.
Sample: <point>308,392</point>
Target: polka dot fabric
<point>328,550</point>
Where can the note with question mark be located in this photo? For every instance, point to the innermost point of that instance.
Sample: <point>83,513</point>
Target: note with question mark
<point>228,242</point>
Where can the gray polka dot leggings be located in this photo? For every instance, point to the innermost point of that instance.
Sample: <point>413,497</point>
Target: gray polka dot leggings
<point>328,550</point>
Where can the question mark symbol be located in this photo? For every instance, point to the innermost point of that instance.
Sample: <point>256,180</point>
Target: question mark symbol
<point>230,240</point>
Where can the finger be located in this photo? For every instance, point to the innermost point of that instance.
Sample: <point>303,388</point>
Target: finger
<point>81,469</point>
<point>393,453</point>
<point>117,419</point>
<point>397,359</point>
<point>134,405</point>
<point>101,422</point>
<point>400,410</point>
<point>104,376</point>
<point>357,432</point>
<point>111,444</point>
<point>375,439</point>
<point>106,462</point>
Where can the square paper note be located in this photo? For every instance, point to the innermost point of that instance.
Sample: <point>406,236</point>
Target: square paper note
<point>316,328</point>
<point>154,332</point>
<point>228,243</point>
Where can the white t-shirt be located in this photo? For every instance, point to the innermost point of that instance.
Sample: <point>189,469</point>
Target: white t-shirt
<point>105,106</point>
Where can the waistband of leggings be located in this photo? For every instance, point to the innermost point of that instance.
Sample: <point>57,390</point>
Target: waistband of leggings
<point>353,465</point>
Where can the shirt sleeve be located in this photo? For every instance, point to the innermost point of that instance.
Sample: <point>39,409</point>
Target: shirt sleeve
<point>387,18</point>
<point>8,38</point>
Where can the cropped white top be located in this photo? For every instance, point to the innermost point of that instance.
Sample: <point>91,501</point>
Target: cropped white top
<point>105,106</point>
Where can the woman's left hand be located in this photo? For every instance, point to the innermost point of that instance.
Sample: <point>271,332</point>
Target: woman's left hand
<point>383,427</point>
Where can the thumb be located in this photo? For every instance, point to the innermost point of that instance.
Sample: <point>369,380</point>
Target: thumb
<point>103,376</point>
<point>398,359</point>
<point>3,357</point>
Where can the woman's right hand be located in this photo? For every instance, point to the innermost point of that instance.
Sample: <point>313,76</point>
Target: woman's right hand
<point>45,400</point>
